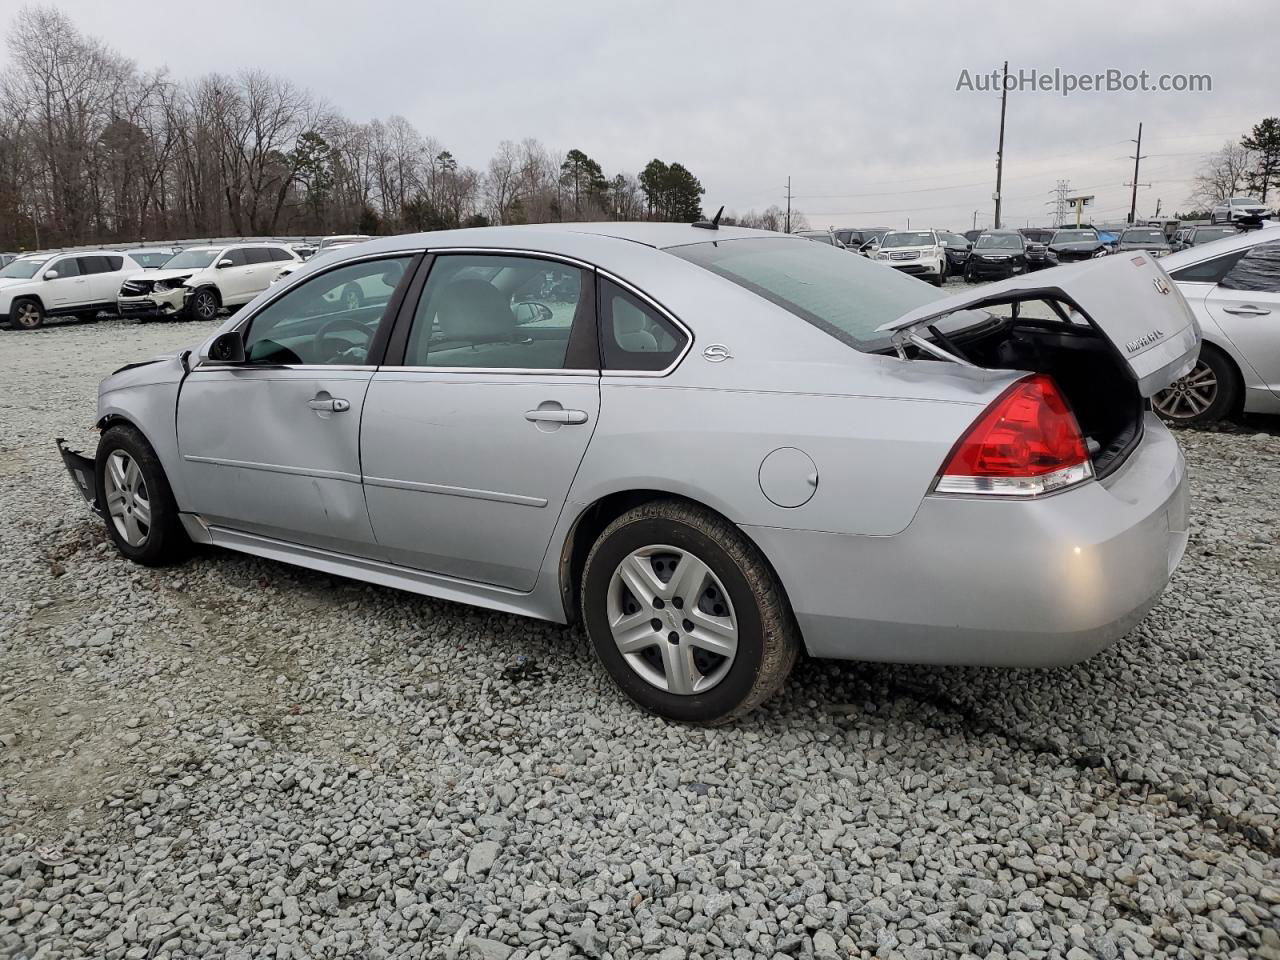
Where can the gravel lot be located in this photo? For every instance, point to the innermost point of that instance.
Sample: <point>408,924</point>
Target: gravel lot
<point>236,758</point>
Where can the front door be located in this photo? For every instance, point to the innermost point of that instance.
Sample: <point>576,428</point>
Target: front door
<point>272,446</point>
<point>69,288</point>
<point>470,445</point>
<point>1246,306</point>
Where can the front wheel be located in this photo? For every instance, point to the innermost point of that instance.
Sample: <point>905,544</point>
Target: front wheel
<point>686,615</point>
<point>142,517</point>
<point>1205,395</point>
<point>204,305</point>
<point>26,314</point>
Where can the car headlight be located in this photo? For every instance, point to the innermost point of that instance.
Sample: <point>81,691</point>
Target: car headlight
<point>882,256</point>
<point>173,283</point>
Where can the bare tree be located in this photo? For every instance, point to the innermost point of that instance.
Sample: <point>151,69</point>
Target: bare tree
<point>1220,175</point>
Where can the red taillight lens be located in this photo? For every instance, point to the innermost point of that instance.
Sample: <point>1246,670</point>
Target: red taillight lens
<point>1027,443</point>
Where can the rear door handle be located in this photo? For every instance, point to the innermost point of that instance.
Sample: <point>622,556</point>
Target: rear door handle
<point>556,416</point>
<point>1248,310</point>
<point>330,405</point>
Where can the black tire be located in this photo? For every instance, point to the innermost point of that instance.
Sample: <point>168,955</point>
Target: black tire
<point>1178,407</point>
<point>768,637</point>
<point>204,305</point>
<point>165,542</point>
<point>26,313</point>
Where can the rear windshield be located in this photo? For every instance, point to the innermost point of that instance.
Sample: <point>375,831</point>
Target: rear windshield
<point>848,297</point>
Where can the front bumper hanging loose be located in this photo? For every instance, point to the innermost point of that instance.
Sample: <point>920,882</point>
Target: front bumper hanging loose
<point>83,474</point>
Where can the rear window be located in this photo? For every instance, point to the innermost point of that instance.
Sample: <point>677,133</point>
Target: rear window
<point>847,297</point>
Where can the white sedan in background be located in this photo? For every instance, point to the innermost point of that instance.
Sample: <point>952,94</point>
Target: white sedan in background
<point>1233,286</point>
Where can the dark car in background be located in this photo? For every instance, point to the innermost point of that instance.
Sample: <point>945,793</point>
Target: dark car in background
<point>1202,234</point>
<point>1150,239</point>
<point>1037,246</point>
<point>957,248</point>
<point>997,255</point>
<point>855,237</point>
<point>1074,244</point>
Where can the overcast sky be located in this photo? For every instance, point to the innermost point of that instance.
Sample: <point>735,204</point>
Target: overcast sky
<point>856,102</point>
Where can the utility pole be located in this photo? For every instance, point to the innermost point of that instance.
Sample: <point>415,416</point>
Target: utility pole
<point>975,219</point>
<point>1004,96</point>
<point>788,204</point>
<point>1137,158</point>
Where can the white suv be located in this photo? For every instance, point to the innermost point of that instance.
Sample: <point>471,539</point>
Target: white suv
<point>200,281</point>
<point>917,252</point>
<point>44,285</point>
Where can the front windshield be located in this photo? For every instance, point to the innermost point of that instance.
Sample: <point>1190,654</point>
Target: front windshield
<point>952,239</point>
<point>998,241</point>
<point>24,268</point>
<point>1074,236</point>
<point>1142,236</point>
<point>847,297</point>
<point>191,260</point>
<point>908,238</point>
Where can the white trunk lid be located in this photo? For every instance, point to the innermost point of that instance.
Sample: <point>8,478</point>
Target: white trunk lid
<point>1127,297</point>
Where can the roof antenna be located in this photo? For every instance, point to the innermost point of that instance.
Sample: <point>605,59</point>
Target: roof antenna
<point>713,223</point>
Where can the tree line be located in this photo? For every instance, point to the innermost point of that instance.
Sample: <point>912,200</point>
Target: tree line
<point>95,149</point>
<point>1249,165</point>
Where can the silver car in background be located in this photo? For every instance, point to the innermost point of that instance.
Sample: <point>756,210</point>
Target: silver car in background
<point>1233,286</point>
<point>714,448</point>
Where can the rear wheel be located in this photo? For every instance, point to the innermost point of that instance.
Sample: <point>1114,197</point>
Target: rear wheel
<point>26,314</point>
<point>141,515</point>
<point>686,615</point>
<point>1208,393</point>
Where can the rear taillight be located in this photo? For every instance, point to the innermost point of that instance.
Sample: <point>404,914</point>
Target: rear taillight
<point>1025,444</point>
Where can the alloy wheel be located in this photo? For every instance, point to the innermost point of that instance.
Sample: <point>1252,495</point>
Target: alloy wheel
<point>672,620</point>
<point>1189,396</point>
<point>27,316</point>
<point>128,503</point>
<point>205,306</point>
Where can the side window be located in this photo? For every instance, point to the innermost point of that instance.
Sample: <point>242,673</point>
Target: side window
<point>329,319</point>
<point>236,255</point>
<point>278,254</point>
<point>633,335</point>
<point>91,265</point>
<point>503,312</point>
<point>1258,270</point>
<point>254,255</point>
<point>67,267</point>
<point>114,264</point>
<point>1209,271</point>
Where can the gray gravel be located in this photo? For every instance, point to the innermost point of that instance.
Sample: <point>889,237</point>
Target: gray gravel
<point>239,759</point>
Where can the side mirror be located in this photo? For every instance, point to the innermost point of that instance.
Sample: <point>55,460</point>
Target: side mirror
<point>225,263</point>
<point>227,347</point>
<point>51,274</point>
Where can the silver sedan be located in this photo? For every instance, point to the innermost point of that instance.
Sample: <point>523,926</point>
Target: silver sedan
<point>714,448</point>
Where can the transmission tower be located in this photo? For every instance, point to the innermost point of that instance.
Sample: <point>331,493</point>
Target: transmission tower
<point>1060,205</point>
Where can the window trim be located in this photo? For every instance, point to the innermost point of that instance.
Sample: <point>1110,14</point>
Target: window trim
<point>377,348</point>
<point>665,313</point>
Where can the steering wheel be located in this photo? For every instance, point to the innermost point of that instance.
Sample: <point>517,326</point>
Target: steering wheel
<point>318,347</point>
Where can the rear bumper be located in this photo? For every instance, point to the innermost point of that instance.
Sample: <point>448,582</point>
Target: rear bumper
<point>995,582</point>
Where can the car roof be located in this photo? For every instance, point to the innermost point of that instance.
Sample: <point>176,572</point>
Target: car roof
<point>1216,248</point>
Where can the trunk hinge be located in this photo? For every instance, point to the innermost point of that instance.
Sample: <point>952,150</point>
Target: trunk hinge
<point>909,335</point>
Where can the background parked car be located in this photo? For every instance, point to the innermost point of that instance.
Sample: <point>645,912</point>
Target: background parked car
<point>152,258</point>
<point>822,236</point>
<point>8,258</point>
<point>1074,244</point>
<point>42,285</point>
<point>996,255</point>
<point>200,281</point>
<point>1233,286</point>
<point>856,237</point>
<point>917,252</point>
<point>957,249</point>
<point>1238,208</point>
<point>1150,239</point>
<point>341,240</point>
<point>1197,235</point>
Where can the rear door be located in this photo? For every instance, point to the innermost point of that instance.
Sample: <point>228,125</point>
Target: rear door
<point>235,282</point>
<point>271,446</point>
<point>475,427</point>
<point>1128,298</point>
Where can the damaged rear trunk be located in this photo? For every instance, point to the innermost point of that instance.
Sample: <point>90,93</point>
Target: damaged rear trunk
<point>1111,333</point>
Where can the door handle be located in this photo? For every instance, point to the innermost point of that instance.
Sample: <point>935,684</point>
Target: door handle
<point>556,416</point>
<point>330,405</point>
<point>1248,310</point>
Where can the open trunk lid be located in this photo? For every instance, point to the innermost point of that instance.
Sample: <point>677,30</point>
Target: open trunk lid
<point>1127,298</point>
